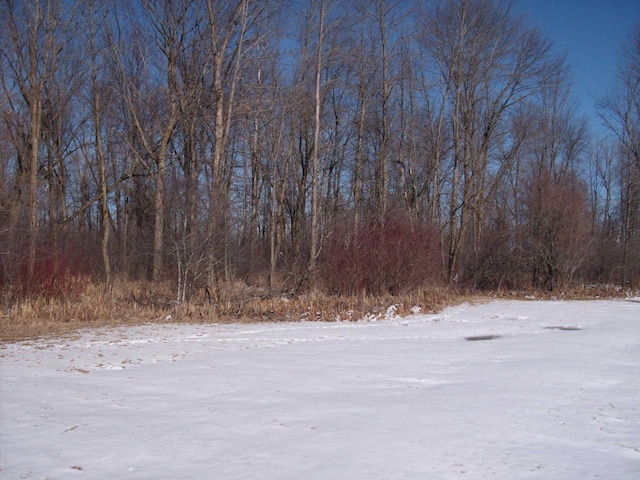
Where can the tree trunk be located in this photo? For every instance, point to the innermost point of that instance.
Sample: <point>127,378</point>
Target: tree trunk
<point>99,153</point>
<point>315,172</point>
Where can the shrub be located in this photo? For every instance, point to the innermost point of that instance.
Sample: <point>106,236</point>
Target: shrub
<point>393,257</point>
<point>558,230</point>
<point>59,272</point>
<point>498,264</point>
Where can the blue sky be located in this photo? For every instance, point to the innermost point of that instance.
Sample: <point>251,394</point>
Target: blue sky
<point>590,33</point>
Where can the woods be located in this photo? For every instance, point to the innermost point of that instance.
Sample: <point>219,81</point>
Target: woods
<point>342,146</point>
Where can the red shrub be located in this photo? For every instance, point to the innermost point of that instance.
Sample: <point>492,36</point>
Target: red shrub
<point>59,272</point>
<point>394,257</point>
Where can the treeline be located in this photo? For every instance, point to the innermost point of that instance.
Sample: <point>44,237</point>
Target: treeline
<point>352,146</point>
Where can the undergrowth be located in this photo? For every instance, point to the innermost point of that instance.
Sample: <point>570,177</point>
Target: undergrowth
<point>134,302</point>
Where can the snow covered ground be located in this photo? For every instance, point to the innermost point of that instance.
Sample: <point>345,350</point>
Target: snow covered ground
<point>507,390</point>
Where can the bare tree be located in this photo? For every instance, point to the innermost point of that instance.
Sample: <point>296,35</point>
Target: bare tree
<point>166,28</point>
<point>559,228</point>
<point>31,45</point>
<point>489,62</point>
<point>227,25</point>
<point>620,110</point>
<point>620,113</point>
<point>97,112</point>
<point>222,141</point>
<point>315,170</point>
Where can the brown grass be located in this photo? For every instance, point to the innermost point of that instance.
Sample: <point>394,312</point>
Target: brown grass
<point>135,303</point>
<point>127,303</point>
<point>578,292</point>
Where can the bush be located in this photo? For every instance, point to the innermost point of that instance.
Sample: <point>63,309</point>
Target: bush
<point>395,257</point>
<point>59,273</point>
<point>499,263</point>
<point>558,229</point>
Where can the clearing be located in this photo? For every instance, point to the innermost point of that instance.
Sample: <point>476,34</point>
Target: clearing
<point>507,389</point>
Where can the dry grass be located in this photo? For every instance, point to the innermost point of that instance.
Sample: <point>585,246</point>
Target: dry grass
<point>135,303</point>
<point>578,292</point>
<point>321,307</point>
<point>125,304</point>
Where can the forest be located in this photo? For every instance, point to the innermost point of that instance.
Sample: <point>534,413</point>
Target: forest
<point>353,148</point>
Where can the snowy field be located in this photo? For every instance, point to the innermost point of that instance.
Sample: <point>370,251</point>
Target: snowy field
<point>506,390</point>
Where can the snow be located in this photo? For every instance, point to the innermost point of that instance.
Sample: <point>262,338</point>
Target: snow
<point>547,390</point>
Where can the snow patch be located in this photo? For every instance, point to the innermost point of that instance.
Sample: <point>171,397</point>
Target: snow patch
<point>334,400</point>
